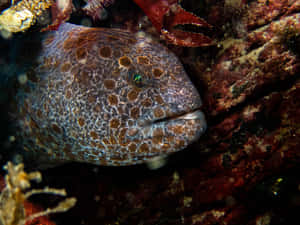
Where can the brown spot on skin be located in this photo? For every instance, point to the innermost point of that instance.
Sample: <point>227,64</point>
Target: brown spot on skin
<point>124,151</point>
<point>40,140</point>
<point>158,136</point>
<point>158,112</point>
<point>49,39</point>
<point>192,133</point>
<point>39,113</point>
<point>82,78</point>
<point>132,147</point>
<point>179,144</point>
<point>116,157</point>
<point>33,124</point>
<point>68,44</point>
<point>166,146</point>
<point>153,149</point>
<point>80,155</point>
<point>126,50</point>
<point>110,147</point>
<point>46,108</point>
<point>114,123</point>
<point>105,141</point>
<point>88,35</point>
<point>82,142</point>
<point>112,100</point>
<point>81,41</point>
<point>26,107</point>
<point>56,63</point>
<point>159,99</point>
<point>50,139</point>
<point>68,94</point>
<point>177,129</point>
<point>75,70</point>
<point>91,158</point>
<point>132,131</point>
<point>65,67</point>
<point>80,54</point>
<point>92,65</point>
<point>112,38</point>
<point>68,152</point>
<point>117,53</point>
<point>120,110</point>
<point>109,84</point>
<point>132,41</point>
<point>147,102</point>
<point>143,60</point>
<point>101,146</point>
<point>116,72</point>
<point>51,84</point>
<point>106,116</point>
<point>94,135</point>
<point>93,144</point>
<point>97,108</point>
<point>135,112</point>
<point>75,110</point>
<point>81,121</point>
<point>122,137</point>
<point>56,128</point>
<point>105,52</point>
<point>92,99</point>
<point>139,50</point>
<point>125,61</point>
<point>130,122</point>
<point>169,139</point>
<point>47,62</point>
<point>157,72</point>
<point>144,148</point>
<point>132,95</point>
<point>112,140</point>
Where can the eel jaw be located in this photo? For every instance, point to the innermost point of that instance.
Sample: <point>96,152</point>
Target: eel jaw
<point>192,115</point>
<point>195,120</point>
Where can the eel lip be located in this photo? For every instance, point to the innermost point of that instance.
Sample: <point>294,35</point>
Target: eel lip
<point>192,115</point>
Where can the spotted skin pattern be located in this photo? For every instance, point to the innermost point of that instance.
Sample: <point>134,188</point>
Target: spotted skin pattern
<point>107,97</point>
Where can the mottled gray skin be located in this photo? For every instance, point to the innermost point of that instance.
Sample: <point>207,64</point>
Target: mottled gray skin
<point>107,97</point>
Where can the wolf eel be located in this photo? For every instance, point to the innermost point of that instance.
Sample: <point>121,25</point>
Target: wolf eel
<point>107,97</point>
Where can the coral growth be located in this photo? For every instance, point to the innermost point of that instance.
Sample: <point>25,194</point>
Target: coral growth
<point>21,16</point>
<point>13,197</point>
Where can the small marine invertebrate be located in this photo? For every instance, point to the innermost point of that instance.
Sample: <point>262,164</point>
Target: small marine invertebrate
<point>95,8</point>
<point>15,193</point>
<point>166,14</point>
<point>107,97</point>
<point>21,16</point>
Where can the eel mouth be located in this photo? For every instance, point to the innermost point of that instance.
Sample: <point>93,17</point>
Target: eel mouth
<point>195,114</point>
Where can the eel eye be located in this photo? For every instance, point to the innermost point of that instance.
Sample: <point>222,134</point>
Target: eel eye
<point>137,79</point>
